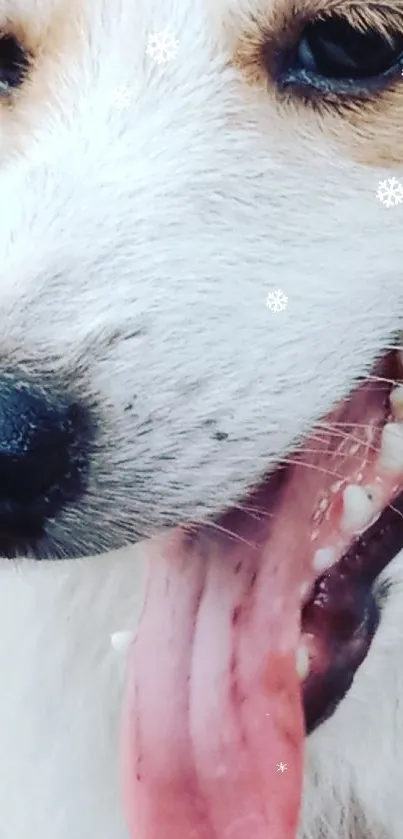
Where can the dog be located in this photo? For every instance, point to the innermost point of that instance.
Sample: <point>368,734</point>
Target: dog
<point>201,304</point>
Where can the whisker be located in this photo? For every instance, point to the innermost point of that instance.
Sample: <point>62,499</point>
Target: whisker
<point>313,466</point>
<point>394,347</point>
<point>372,378</point>
<point>396,511</point>
<point>351,424</point>
<point>371,446</point>
<point>218,527</point>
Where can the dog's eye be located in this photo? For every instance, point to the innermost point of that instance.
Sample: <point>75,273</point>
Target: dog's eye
<point>332,56</point>
<point>332,48</point>
<point>13,64</point>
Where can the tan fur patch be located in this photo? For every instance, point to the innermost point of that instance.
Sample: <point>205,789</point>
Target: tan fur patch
<point>52,42</point>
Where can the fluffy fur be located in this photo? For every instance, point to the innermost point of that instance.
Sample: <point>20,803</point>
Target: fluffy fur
<point>138,245</point>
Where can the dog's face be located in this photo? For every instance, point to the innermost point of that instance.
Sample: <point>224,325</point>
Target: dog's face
<point>147,211</point>
<point>139,243</point>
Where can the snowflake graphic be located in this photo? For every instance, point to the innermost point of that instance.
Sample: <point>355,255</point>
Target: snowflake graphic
<point>277,300</point>
<point>162,47</point>
<point>390,192</point>
<point>281,767</point>
<point>122,97</point>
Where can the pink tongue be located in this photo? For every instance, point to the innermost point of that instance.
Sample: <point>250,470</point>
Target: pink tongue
<point>214,728</point>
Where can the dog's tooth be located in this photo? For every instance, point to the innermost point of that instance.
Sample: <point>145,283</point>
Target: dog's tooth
<point>396,402</point>
<point>302,662</point>
<point>358,509</point>
<point>391,456</point>
<point>121,641</point>
<point>304,588</point>
<point>324,558</point>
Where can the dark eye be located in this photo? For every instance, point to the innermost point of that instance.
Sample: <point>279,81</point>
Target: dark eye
<point>333,56</point>
<point>14,64</point>
<point>332,48</point>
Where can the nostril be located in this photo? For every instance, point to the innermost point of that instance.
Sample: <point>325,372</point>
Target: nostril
<point>43,454</point>
<point>35,436</point>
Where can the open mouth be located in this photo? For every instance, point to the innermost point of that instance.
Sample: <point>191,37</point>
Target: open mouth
<point>253,629</point>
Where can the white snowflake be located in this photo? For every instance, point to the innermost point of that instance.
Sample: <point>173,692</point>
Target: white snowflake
<point>390,192</point>
<point>162,47</point>
<point>281,767</point>
<point>277,300</point>
<point>122,97</point>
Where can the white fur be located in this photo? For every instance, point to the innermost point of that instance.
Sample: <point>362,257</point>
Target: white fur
<point>137,250</point>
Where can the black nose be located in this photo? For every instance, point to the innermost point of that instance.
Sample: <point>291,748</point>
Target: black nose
<point>43,458</point>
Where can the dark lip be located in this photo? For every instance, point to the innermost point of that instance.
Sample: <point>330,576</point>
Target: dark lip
<point>343,615</point>
<point>344,632</point>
